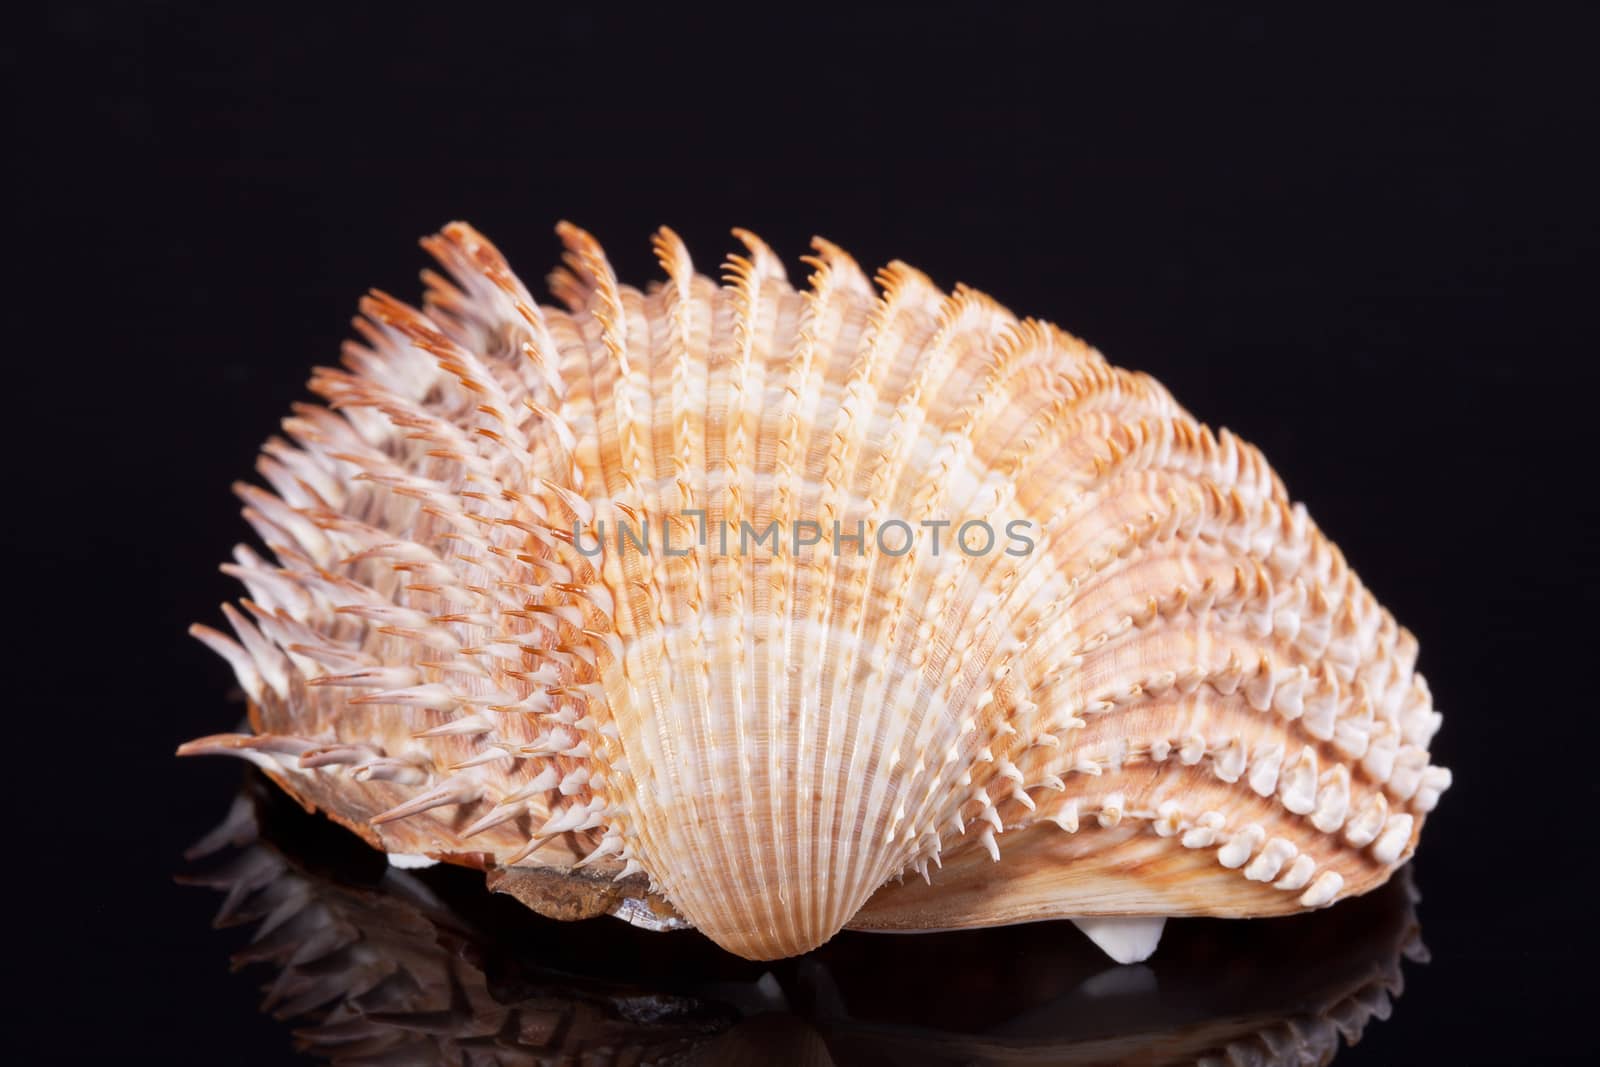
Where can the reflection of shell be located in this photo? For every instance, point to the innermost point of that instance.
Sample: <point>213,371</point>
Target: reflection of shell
<point>382,970</point>
<point>1180,701</point>
<point>399,967</point>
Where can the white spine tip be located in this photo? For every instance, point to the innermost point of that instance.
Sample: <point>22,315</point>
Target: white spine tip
<point>1392,842</point>
<point>1125,938</point>
<point>1323,890</point>
<point>410,861</point>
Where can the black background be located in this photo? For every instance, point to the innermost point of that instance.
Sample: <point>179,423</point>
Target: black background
<point>1364,242</point>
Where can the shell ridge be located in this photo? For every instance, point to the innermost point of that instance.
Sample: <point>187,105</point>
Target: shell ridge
<point>792,482</point>
<point>769,572</point>
<point>743,292</point>
<point>848,467</point>
<point>856,300</point>
<point>689,316</point>
<point>908,295</point>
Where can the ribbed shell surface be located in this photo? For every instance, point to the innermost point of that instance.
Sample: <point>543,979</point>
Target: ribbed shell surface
<point>527,610</point>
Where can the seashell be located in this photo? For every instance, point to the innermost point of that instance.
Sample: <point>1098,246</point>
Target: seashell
<point>733,605</point>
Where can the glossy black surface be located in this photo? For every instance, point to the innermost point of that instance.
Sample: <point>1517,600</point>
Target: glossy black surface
<point>370,964</point>
<point>1366,243</point>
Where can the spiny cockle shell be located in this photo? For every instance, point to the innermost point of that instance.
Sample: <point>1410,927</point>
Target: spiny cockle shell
<point>1158,691</point>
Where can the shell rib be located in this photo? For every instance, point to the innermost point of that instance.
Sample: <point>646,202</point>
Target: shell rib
<point>502,627</point>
